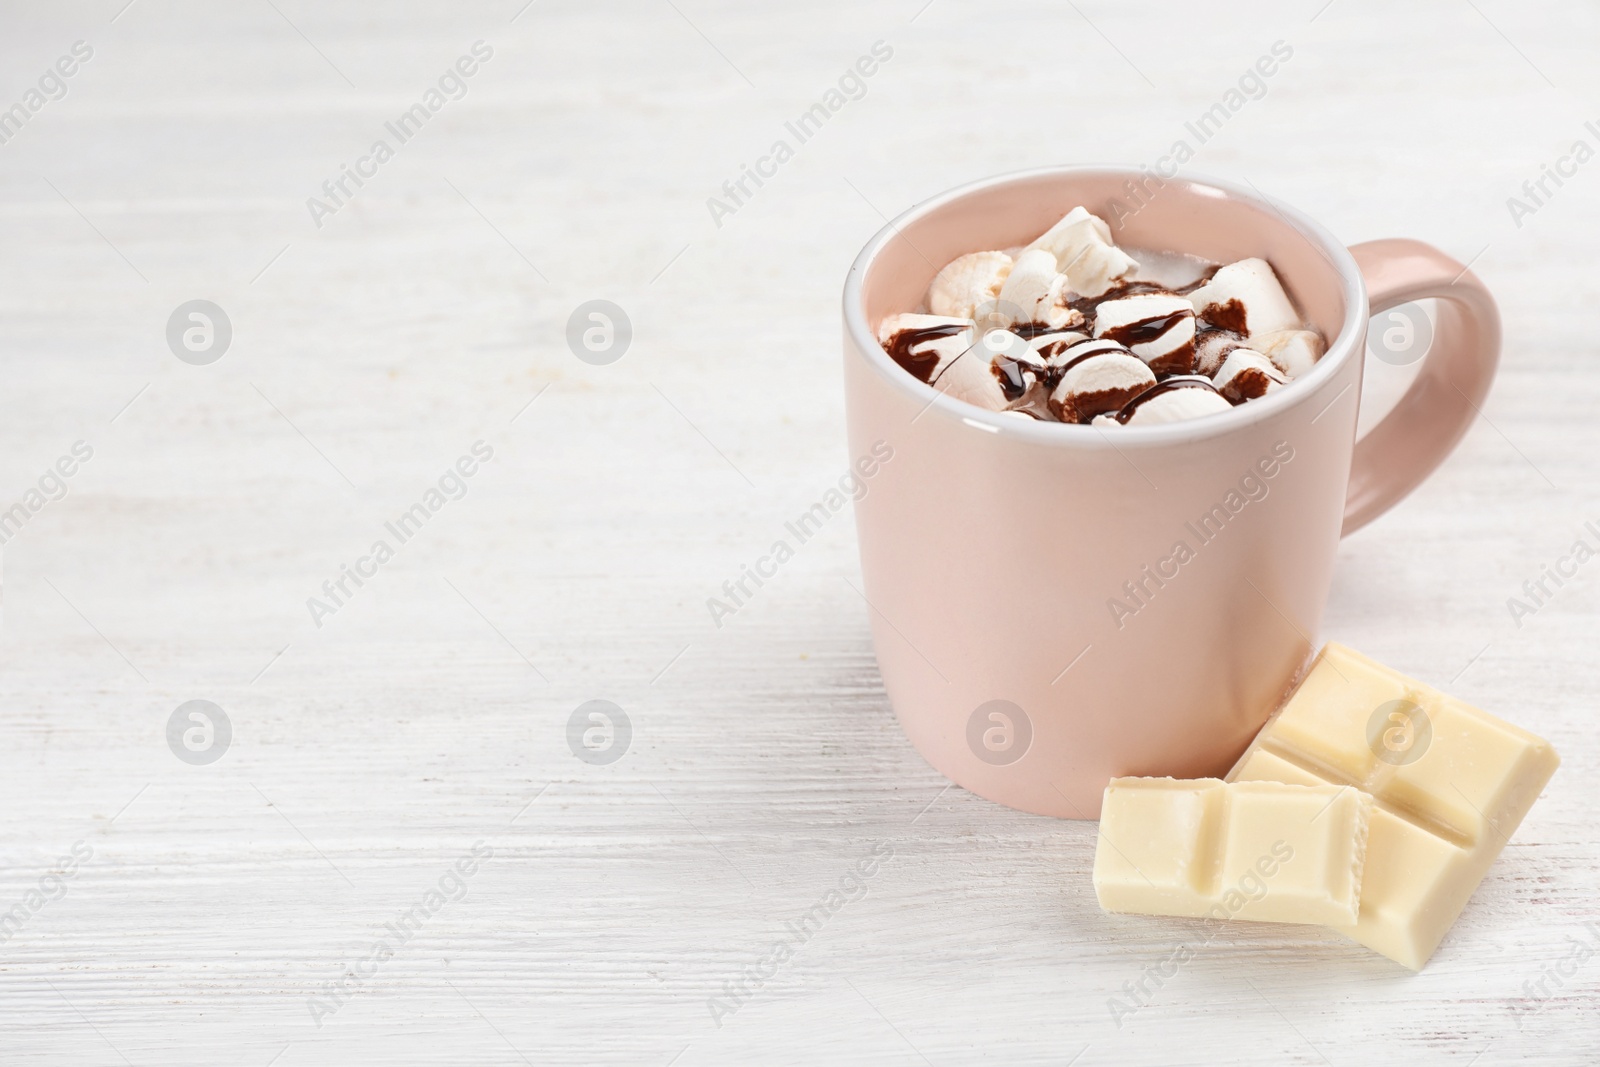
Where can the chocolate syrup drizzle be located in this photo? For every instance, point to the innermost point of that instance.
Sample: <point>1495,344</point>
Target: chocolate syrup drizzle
<point>1060,372</point>
<point>1146,330</point>
<point>1091,304</point>
<point>921,365</point>
<point>1010,373</point>
<point>1029,330</point>
<point>1166,386</point>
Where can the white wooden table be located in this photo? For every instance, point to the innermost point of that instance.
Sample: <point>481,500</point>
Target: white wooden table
<point>214,906</point>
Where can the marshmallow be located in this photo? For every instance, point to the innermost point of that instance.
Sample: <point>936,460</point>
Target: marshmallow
<point>1245,297</point>
<point>1098,268</point>
<point>1157,327</point>
<point>966,282</point>
<point>1051,346</point>
<point>925,344</point>
<point>972,379</point>
<point>1211,347</point>
<point>1035,291</point>
<point>993,374</point>
<point>1073,229</point>
<point>1176,405</point>
<point>1083,349</point>
<point>1103,382</point>
<point>1001,345</point>
<point>1018,366</point>
<point>1081,243</point>
<point>1245,375</point>
<point>1294,351</point>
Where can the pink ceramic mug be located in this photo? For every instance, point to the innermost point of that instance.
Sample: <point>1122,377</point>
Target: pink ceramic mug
<point>996,550</point>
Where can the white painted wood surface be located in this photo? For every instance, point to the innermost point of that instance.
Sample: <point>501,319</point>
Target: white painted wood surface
<point>430,712</point>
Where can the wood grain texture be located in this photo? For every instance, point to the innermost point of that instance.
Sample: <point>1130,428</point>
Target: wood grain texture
<point>430,712</point>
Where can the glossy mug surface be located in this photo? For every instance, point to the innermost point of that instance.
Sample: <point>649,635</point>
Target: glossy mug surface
<point>1055,605</point>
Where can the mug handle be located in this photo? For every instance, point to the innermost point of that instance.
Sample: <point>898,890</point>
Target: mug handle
<point>1414,438</point>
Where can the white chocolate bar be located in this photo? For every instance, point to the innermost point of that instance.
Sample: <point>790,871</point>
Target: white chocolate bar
<point>1450,784</point>
<point>1247,850</point>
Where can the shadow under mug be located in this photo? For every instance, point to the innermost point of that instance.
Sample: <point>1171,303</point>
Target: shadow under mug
<point>1055,605</point>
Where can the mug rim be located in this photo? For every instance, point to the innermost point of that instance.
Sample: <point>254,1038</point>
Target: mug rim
<point>1340,349</point>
